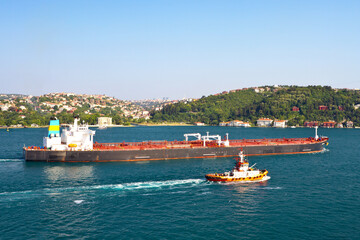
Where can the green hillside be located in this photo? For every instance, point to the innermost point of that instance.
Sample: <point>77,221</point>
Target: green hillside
<point>270,102</point>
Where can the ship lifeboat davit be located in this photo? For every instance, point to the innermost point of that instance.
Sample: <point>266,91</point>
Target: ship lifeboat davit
<point>240,173</point>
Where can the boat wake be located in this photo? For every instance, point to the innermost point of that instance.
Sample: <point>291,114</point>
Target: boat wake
<point>273,188</point>
<point>158,185</point>
<point>11,160</point>
<point>151,184</point>
<point>325,150</point>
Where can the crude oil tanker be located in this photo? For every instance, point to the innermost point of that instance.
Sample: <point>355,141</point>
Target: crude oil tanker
<point>76,144</point>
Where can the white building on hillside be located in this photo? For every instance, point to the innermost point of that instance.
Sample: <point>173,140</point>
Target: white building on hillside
<point>264,122</point>
<point>280,123</point>
<point>235,123</point>
<point>224,124</point>
<point>104,121</point>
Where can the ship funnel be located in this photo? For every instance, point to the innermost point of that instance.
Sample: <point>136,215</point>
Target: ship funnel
<point>54,127</point>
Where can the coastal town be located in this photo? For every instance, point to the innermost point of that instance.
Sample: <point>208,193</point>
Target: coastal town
<point>23,106</point>
<point>19,110</point>
<point>266,122</point>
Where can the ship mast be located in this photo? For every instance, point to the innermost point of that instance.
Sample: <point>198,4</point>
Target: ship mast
<point>241,156</point>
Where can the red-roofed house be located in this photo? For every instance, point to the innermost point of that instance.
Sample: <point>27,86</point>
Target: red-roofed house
<point>280,123</point>
<point>330,124</point>
<point>295,109</point>
<point>235,123</point>
<point>322,107</point>
<point>264,122</point>
<point>311,124</point>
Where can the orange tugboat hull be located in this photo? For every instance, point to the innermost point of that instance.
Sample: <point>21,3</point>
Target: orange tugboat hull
<point>221,178</point>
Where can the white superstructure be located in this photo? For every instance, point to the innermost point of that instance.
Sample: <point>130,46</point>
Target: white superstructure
<point>242,169</point>
<point>74,137</point>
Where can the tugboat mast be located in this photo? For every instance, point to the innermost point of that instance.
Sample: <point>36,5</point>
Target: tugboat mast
<point>316,135</point>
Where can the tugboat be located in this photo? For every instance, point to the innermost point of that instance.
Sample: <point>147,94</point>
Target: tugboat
<point>240,173</point>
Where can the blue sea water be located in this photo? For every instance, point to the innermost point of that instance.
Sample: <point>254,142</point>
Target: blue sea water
<point>311,196</point>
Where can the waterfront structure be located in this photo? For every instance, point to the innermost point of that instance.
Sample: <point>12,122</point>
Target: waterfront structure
<point>311,124</point>
<point>349,124</point>
<point>104,121</point>
<point>280,123</point>
<point>223,124</point>
<point>329,124</point>
<point>264,122</point>
<point>339,125</point>
<point>235,123</point>
<point>245,124</point>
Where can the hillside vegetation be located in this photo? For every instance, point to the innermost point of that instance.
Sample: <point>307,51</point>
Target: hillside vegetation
<point>23,110</point>
<point>269,102</point>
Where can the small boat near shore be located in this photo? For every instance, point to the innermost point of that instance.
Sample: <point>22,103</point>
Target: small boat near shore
<point>240,173</point>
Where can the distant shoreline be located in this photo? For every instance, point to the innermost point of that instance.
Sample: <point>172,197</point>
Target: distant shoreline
<point>92,126</point>
<point>111,126</point>
<point>164,124</point>
<point>23,127</point>
<point>160,125</point>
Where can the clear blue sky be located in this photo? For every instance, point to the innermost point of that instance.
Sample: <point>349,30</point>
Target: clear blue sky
<point>152,49</point>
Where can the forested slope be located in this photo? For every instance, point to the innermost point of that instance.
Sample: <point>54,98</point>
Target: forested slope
<point>270,102</point>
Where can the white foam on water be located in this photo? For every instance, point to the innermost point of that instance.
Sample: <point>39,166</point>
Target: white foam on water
<point>150,194</point>
<point>273,188</point>
<point>142,162</point>
<point>203,193</point>
<point>123,187</point>
<point>151,184</point>
<point>11,160</point>
<point>178,192</point>
<point>325,150</point>
<point>265,178</point>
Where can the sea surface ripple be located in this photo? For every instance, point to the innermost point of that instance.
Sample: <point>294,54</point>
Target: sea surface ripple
<point>311,196</point>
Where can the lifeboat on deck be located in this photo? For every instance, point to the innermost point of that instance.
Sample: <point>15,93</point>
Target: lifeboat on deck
<point>240,173</point>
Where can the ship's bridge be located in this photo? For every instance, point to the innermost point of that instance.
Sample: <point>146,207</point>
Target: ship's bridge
<point>74,137</point>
